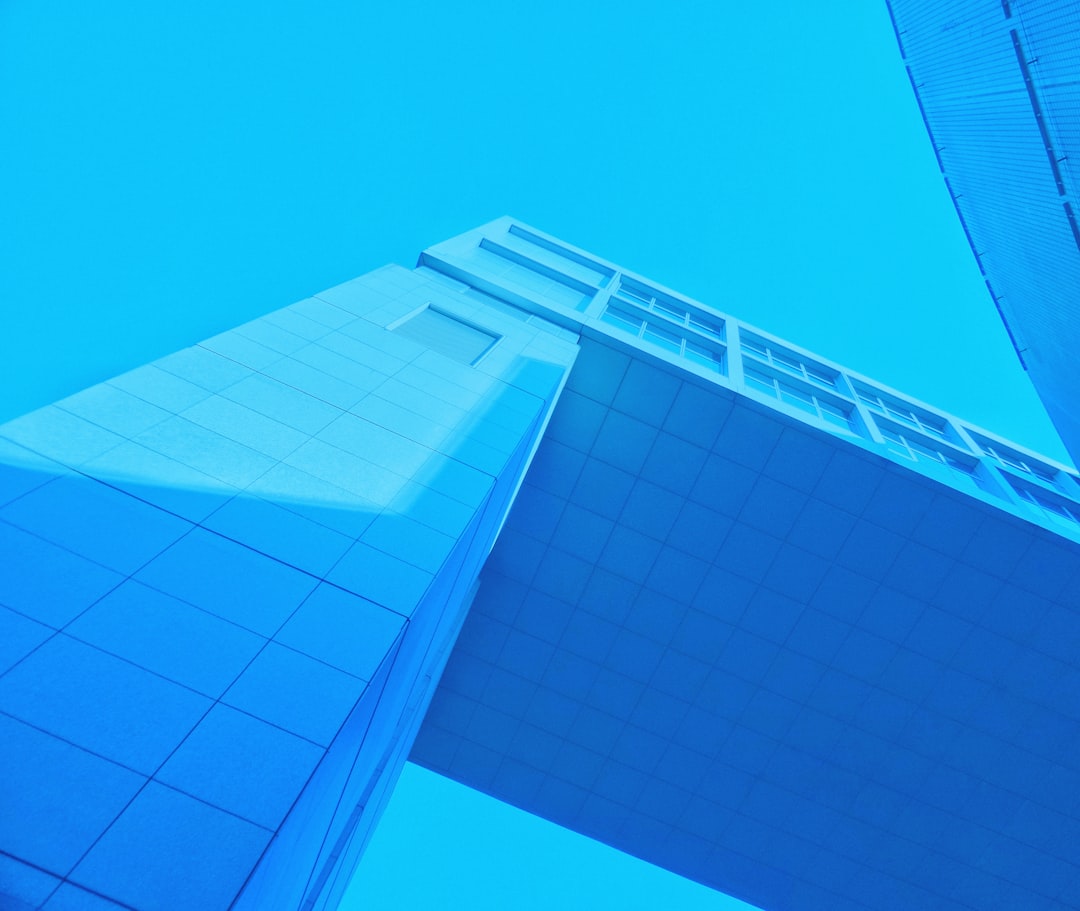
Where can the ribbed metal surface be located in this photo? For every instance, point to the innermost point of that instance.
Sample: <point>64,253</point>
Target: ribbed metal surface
<point>999,87</point>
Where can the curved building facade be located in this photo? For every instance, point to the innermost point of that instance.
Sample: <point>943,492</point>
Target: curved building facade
<point>998,84</point>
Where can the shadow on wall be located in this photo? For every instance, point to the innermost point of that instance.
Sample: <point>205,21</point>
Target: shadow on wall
<point>230,665</point>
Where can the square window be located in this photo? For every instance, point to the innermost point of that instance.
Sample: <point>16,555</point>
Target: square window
<point>662,337</point>
<point>447,335</point>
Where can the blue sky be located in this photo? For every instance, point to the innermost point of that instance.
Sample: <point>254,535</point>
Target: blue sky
<point>169,171</point>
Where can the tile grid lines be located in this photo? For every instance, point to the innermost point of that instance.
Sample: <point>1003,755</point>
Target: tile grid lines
<point>347,411</point>
<point>637,809</point>
<point>343,411</point>
<point>152,776</point>
<point>905,636</point>
<point>856,725</point>
<point>646,813</point>
<point>869,867</point>
<point>240,672</point>
<point>131,578</point>
<point>396,648</point>
<point>391,656</point>
<point>659,424</point>
<point>212,703</point>
<point>765,685</point>
<point>518,723</point>
<point>937,590</point>
<point>62,880</point>
<point>285,621</point>
<point>317,579</point>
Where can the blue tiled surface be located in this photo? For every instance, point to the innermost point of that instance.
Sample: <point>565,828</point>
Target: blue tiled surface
<point>19,635</point>
<point>136,860</point>
<point>711,634</point>
<point>92,519</point>
<point>281,533</point>
<point>68,794</point>
<point>296,692</point>
<point>22,886</point>
<point>165,540</point>
<point>747,639</point>
<point>55,585</point>
<point>58,434</point>
<point>71,898</point>
<point>243,765</point>
<point>167,636</point>
<point>101,703</point>
<point>160,480</point>
<point>342,630</point>
<point>22,471</point>
<point>234,582</point>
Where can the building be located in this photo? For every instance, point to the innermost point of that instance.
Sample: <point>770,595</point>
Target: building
<point>997,86</point>
<point>716,601</point>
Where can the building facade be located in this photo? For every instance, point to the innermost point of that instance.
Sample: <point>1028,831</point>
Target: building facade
<point>698,593</point>
<point>998,85</point>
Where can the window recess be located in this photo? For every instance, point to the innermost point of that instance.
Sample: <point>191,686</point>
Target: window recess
<point>831,410</point>
<point>767,352</point>
<point>448,334</point>
<point>681,314</point>
<point>1057,509</point>
<point>927,450</point>
<point>1010,458</point>
<point>904,414</point>
<point>657,328</point>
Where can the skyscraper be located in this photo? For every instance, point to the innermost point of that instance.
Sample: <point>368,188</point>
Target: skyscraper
<point>997,86</point>
<point>722,604</point>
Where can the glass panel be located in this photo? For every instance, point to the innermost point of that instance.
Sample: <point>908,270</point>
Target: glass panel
<point>1044,472</point>
<point>700,355</point>
<point>713,330</point>
<point>840,420</point>
<point>761,382</point>
<point>663,338</point>
<point>1052,505</point>
<point>834,414</point>
<point>798,398</point>
<point>788,363</point>
<point>819,375</point>
<point>835,410</point>
<point>623,320</point>
<point>448,335</point>
<point>757,349</point>
<point>925,451</point>
<point>958,465</point>
<point>902,415</point>
<point>635,295</point>
<point>895,443</point>
<point>935,430</point>
<point>666,309</point>
<point>872,401</point>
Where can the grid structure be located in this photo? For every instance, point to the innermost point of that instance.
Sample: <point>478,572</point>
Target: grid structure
<point>722,603</point>
<point>775,626</point>
<point>229,577</point>
<point>771,661</point>
<point>699,339</point>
